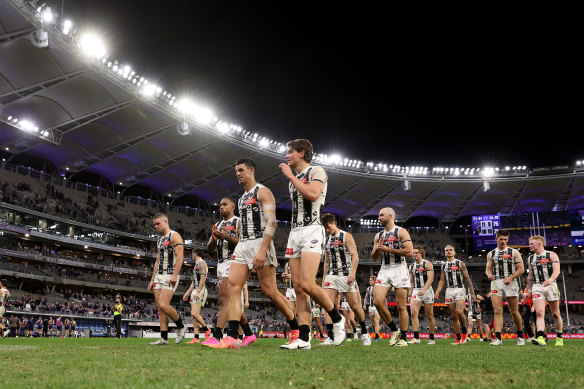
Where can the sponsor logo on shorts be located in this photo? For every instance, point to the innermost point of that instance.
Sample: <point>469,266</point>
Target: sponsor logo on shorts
<point>405,279</point>
<point>494,291</point>
<point>327,284</point>
<point>314,241</point>
<point>289,251</point>
<point>448,300</point>
<point>536,295</point>
<point>378,282</point>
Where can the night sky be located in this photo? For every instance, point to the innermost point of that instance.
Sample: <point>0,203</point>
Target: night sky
<point>433,87</point>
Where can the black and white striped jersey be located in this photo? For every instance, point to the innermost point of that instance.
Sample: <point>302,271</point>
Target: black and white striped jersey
<point>340,261</point>
<point>306,212</point>
<point>252,214</point>
<point>167,255</point>
<point>453,273</point>
<point>419,273</point>
<point>198,273</point>
<point>541,266</point>
<point>503,263</point>
<point>224,247</point>
<point>391,239</point>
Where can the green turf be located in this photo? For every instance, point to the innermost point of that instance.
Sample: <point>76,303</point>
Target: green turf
<point>132,363</point>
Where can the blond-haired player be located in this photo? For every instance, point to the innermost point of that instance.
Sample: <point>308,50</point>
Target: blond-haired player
<point>544,270</point>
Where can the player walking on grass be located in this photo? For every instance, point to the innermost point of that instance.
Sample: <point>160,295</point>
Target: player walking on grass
<point>165,278</point>
<point>256,251</point>
<point>340,269</point>
<point>544,270</point>
<point>392,245</point>
<point>370,307</point>
<point>422,276</point>
<point>455,275</point>
<point>504,267</point>
<point>224,238</point>
<point>305,243</point>
<point>197,295</point>
<point>290,293</point>
<point>4,296</point>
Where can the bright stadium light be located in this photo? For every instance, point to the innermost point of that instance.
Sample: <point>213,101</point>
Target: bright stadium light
<point>92,45</point>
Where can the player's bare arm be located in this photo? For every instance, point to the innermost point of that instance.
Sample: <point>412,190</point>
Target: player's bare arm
<point>468,281</point>
<point>352,247</point>
<point>440,284</point>
<point>519,268</point>
<point>430,275</point>
<point>555,269</point>
<point>266,198</point>
<point>177,243</point>
<point>310,191</point>
<point>489,269</point>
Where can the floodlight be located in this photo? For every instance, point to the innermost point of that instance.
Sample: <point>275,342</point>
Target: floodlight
<point>92,46</point>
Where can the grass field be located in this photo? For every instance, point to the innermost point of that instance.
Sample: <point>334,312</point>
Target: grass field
<point>132,363</point>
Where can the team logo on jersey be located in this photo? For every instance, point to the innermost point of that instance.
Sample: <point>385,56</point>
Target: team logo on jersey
<point>251,201</point>
<point>289,251</point>
<point>378,282</point>
<point>535,295</point>
<point>233,257</point>
<point>304,180</point>
<point>421,269</point>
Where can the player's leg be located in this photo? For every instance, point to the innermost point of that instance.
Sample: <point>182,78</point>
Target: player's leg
<point>460,304</point>
<point>558,322</point>
<point>513,302</point>
<point>304,270</point>
<point>223,309</point>
<point>401,298</point>
<point>332,295</point>
<point>429,310</point>
<point>238,275</point>
<point>539,305</point>
<point>455,322</point>
<point>497,302</point>
<point>162,319</point>
<point>269,287</point>
<point>195,313</point>
<point>355,305</point>
<point>415,304</point>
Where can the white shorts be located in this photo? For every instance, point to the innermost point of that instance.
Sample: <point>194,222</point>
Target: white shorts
<point>2,310</point>
<point>315,313</point>
<point>163,282</point>
<point>498,288</point>
<point>547,293</point>
<point>223,269</point>
<point>373,310</point>
<point>291,295</point>
<point>427,298</point>
<point>453,294</point>
<point>305,239</point>
<point>394,277</point>
<point>201,299</point>
<point>338,283</point>
<point>344,305</point>
<point>246,250</point>
<point>474,317</point>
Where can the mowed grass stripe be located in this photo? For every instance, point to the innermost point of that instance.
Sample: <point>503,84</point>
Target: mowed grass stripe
<point>132,363</point>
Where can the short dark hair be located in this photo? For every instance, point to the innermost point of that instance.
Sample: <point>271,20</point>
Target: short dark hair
<point>230,200</point>
<point>248,162</point>
<point>503,233</point>
<point>328,218</point>
<point>301,145</point>
<point>199,252</point>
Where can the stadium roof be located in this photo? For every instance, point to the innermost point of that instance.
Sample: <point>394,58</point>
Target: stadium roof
<point>85,113</point>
